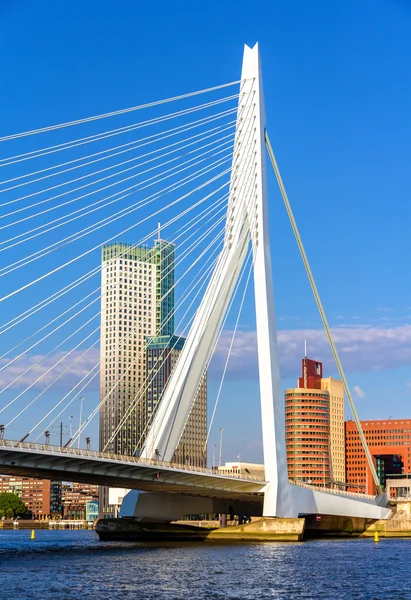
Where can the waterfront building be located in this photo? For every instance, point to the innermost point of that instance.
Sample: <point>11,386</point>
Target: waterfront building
<point>389,442</point>
<point>307,427</point>
<point>138,350</point>
<point>335,389</point>
<point>115,497</point>
<point>42,497</point>
<point>75,497</point>
<point>314,425</point>
<point>241,468</point>
<point>137,301</point>
<point>91,510</point>
<point>162,354</point>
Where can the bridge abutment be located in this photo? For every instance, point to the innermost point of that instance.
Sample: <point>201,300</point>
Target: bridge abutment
<point>259,530</point>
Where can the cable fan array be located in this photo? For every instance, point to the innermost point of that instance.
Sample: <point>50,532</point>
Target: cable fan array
<point>68,190</point>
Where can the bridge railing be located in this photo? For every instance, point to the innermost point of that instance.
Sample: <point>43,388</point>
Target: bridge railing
<point>123,458</point>
<point>330,490</point>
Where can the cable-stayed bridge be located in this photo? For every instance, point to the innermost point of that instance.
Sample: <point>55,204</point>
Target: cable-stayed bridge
<point>201,170</point>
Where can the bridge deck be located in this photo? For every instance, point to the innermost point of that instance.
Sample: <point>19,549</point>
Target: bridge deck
<point>71,464</point>
<point>89,466</point>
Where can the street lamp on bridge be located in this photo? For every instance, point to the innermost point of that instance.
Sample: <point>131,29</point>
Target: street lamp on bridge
<point>81,398</point>
<point>220,458</point>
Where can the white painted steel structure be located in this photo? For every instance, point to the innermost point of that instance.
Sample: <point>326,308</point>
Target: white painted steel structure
<point>247,219</point>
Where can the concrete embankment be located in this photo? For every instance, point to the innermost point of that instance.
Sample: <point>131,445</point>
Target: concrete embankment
<point>330,526</point>
<point>30,524</point>
<point>261,530</point>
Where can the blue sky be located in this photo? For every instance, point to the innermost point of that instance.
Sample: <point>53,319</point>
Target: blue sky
<point>337,93</point>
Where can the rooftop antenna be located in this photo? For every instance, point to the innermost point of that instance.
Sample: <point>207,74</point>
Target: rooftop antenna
<point>305,348</point>
<point>159,231</point>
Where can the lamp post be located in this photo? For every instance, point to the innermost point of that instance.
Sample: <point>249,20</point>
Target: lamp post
<point>220,458</point>
<point>213,461</point>
<point>71,426</point>
<point>81,398</point>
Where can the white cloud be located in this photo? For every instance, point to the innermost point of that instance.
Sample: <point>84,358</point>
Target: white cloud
<point>362,348</point>
<point>358,391</point>
<point>45,369</point>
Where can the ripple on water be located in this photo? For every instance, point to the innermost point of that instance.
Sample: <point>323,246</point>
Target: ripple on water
<point>70,564</point>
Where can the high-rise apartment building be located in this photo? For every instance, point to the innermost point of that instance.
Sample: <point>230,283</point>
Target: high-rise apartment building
<point>137,339</point>
<point>307,428</point>
<point>314,425</point>
<point>137,302</point>
<point>162,354</point>
<point>335,388</point>
<point>389,442</point>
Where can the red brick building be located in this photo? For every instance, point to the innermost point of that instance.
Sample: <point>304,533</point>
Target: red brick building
<point>75,497</point>
<point>51,499</point>
<point>42,497</point>
<point>389,442</point>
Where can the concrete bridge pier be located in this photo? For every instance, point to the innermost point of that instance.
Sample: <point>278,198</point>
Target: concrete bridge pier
<point>148,517</point>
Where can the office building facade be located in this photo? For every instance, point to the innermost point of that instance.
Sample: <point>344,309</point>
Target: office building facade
<point>42,497</point>
<point>389,442</point>
<point>335,389</point>
<point>162,354</point>
<point>307,434</point>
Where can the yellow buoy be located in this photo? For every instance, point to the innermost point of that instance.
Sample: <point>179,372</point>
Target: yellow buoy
<point>32,535</point>
<point>376,537</point>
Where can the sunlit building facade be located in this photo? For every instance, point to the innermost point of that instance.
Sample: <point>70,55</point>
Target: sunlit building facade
<point>138,351</point>
<point>314,425</point>
<point>137,302</point>
<point>389,442</point>
<point>162,355</point>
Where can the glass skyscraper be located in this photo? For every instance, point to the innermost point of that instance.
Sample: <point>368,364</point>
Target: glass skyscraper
<point>137,312</point>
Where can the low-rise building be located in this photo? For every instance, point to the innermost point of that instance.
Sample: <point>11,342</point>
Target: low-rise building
<point>91,510</point>
<point>389,442</point>
<point>41,496</point>
<point>75,497</point>
<point>243,469</point>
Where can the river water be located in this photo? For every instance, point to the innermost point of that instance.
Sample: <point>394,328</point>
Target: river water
<point>74,565</point>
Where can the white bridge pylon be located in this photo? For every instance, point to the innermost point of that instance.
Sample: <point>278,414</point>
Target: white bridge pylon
<point>247,221</point>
